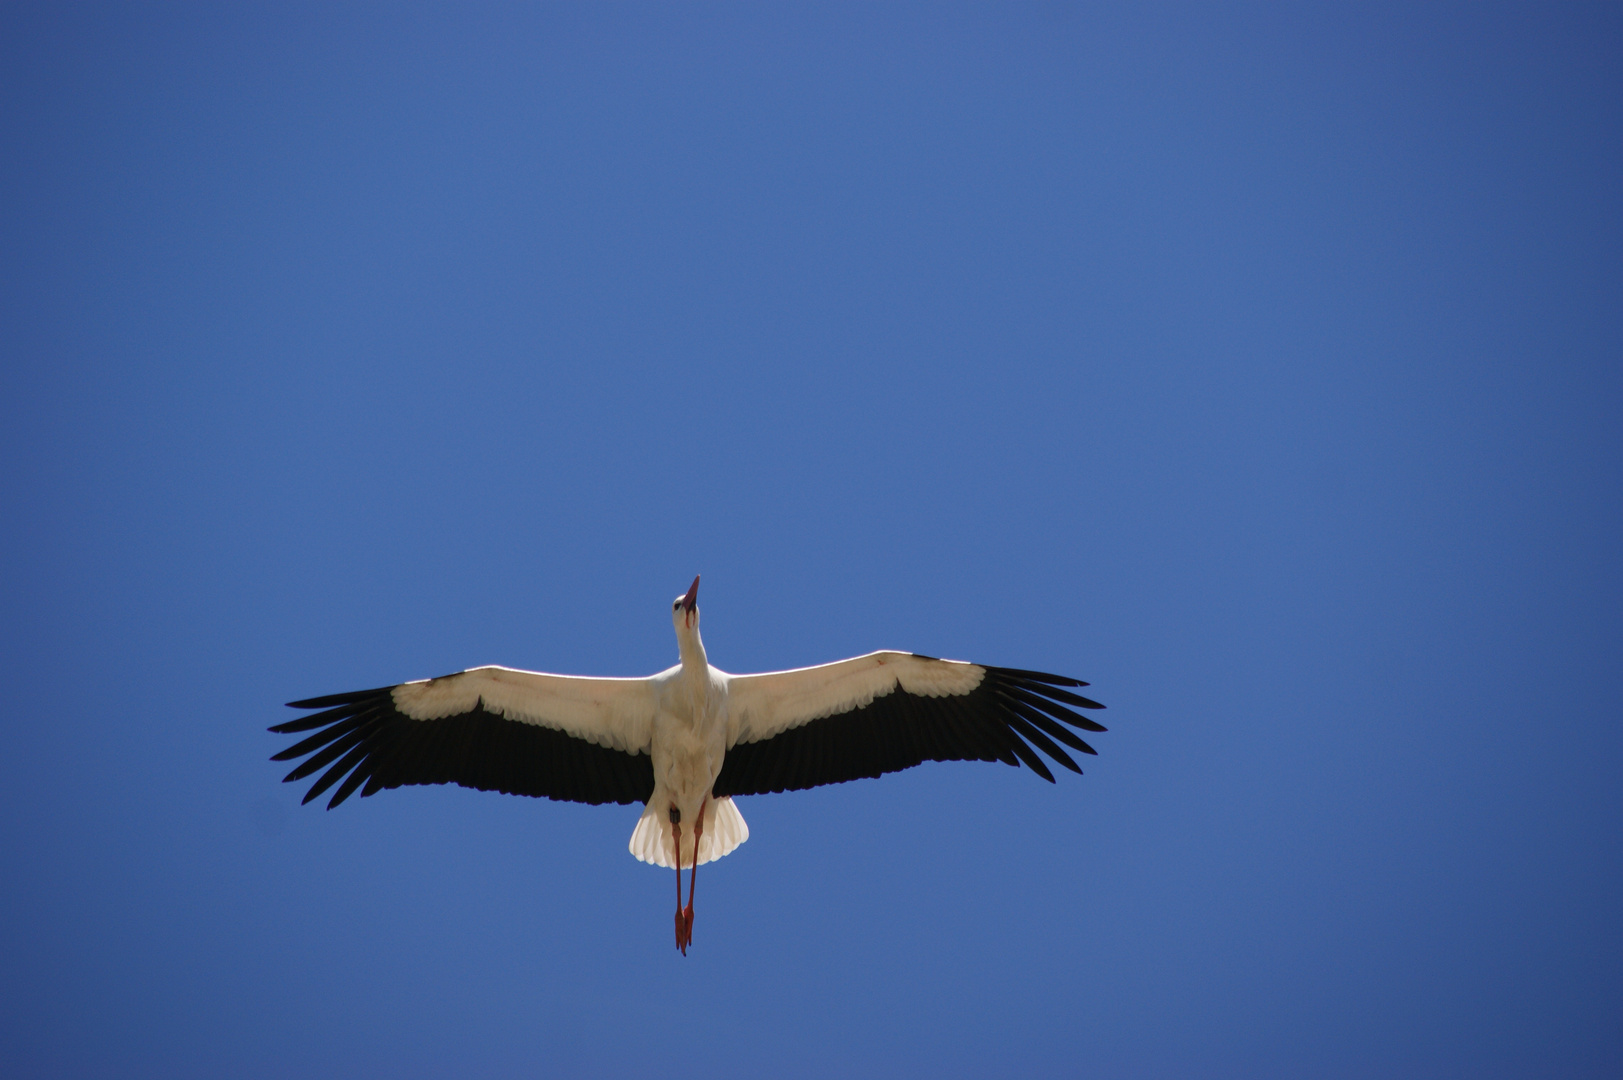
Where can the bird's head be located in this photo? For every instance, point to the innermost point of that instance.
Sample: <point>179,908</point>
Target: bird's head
<point>685,611</point>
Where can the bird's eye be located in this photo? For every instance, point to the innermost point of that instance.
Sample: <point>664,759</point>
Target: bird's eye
<point>676,605</point>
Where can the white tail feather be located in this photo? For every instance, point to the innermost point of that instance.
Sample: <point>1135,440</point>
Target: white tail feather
<point>724,829</point>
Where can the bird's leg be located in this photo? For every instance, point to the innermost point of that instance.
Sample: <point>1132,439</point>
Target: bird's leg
<point>676,839</point>
<point>681,923</point>
<point>693,876</point>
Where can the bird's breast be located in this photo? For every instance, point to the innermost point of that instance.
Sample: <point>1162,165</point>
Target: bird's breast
<point>687,754</point>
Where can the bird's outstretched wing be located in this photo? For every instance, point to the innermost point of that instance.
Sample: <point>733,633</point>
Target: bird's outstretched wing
<point>494,728</point>
<point>888,711</point>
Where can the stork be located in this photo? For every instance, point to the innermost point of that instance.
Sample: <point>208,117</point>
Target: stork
<point>687,741</point>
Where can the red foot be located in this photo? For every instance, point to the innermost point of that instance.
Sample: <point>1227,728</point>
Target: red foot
<point>684,928</point>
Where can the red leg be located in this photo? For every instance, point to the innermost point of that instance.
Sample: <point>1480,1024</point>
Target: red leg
<point>681,921</point>
<point>693,877</point>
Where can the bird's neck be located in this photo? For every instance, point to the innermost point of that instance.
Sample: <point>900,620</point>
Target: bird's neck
<point>694,661</point>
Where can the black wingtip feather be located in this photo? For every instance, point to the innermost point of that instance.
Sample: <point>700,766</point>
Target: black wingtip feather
<point>1043,742</point>
<point>347,788</point>
<point>1048,724</point>
<point>330,700</point>
<point>1056,694</point>
<point>303,723</point>
<point>1031,699</point>
<point>1038,676</point>
<point>1029,756</point>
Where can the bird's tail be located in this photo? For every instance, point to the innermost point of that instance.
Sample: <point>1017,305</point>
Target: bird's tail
<point>724,829</point>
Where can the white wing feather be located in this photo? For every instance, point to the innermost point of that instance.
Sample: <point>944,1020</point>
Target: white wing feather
<point>615,713</point>
<point>761,706</point>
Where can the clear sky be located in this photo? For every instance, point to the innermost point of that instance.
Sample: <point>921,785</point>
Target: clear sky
<point>1260,366</point>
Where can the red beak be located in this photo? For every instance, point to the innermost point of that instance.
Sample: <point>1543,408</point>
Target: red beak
<point>691,600</point>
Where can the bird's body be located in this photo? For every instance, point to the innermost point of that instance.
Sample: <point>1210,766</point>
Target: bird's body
<point>689,740</point>
<point>685,741</point>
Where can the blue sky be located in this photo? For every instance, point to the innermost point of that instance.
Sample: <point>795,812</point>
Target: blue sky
<point>1260,366</point>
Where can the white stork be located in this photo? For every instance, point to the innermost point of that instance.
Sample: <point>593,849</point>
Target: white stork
<point>686,741</point>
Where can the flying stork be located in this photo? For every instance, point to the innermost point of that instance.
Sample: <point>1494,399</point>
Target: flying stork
<point>686,741</point>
